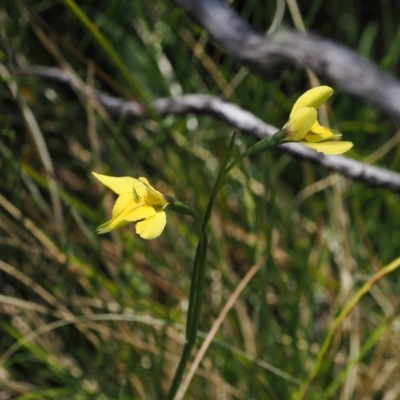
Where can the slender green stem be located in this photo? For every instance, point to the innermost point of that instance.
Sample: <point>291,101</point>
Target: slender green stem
<point>179,207</point>
<point>198,280</point>
<point>199,265</point>
<point>194,283</point>
<point>195,297</point>
<point>301,393</point>
<point>218,182</point>
<point>262,145</point>
<point>190,340</point>
<point>198,298</point>
<point>187,349</point>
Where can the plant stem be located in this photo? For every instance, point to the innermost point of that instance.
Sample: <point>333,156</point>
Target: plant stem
<point>198,280</point>
<point>262,145</point>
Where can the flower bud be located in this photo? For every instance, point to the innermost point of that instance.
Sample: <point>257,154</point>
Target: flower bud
<point>300,123</point>
<point>314,98</point>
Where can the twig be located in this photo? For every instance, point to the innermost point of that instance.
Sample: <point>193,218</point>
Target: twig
<point>237,117</point>
<point>333,61</point>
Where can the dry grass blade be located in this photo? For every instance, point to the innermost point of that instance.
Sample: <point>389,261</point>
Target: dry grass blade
<point>41,146</point>
<point>216,325</point>
<point>393,266</point>
<point>108,333</point>
<point>45,295</point>
<point>208,63</point>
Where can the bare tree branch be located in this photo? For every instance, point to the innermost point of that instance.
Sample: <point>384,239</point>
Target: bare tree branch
<point>336,63</point>
<point>236,117</point>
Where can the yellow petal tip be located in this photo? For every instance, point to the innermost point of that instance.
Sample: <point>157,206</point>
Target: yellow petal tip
<point>330,148</point>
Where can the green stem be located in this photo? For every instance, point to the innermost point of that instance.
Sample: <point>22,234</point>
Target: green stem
<point>218,182</point>
<point>194,284</point>
<point>179,207</point>
<point>199,265</point>
<point>301,393</point>
<point>190,339</point>
<point>262,145</point>
<point>198,297</point>
<point>187,349</point>
<point>198,280</point>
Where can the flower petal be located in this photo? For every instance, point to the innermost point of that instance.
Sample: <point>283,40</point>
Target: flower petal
<point>323,131</point>
<point>300,123</point>
<point>320,133</point>
<point>106,227</point>
<point>154,197</point>
<point>124,201</point>
<point>313,98</point>
<point>330,147</point>
<point>134,213</point>
<point>121,184</point>
<point>139,213</point>
<point>103,228</point>
<point>312,137</point>
<point>146,182</point>
<point>152,227</point>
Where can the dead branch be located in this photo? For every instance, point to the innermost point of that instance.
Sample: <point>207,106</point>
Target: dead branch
<point>238,118</point>
<point>338,64</point>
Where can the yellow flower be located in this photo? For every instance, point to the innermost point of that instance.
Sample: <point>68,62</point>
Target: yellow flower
<point>138,202</point>
<point>303,125</point>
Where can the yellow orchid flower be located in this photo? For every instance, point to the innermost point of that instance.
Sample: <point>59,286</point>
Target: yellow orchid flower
<point>138,202</point>
<point>303,125</point>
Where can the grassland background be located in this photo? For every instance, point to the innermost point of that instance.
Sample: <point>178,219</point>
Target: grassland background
<point>102,317</point>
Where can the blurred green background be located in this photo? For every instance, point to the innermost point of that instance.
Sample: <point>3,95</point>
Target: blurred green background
<point>102,317</point>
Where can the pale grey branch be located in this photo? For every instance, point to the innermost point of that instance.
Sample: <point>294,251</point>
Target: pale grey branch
<point>236,117</point>
<point>338,64</point>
